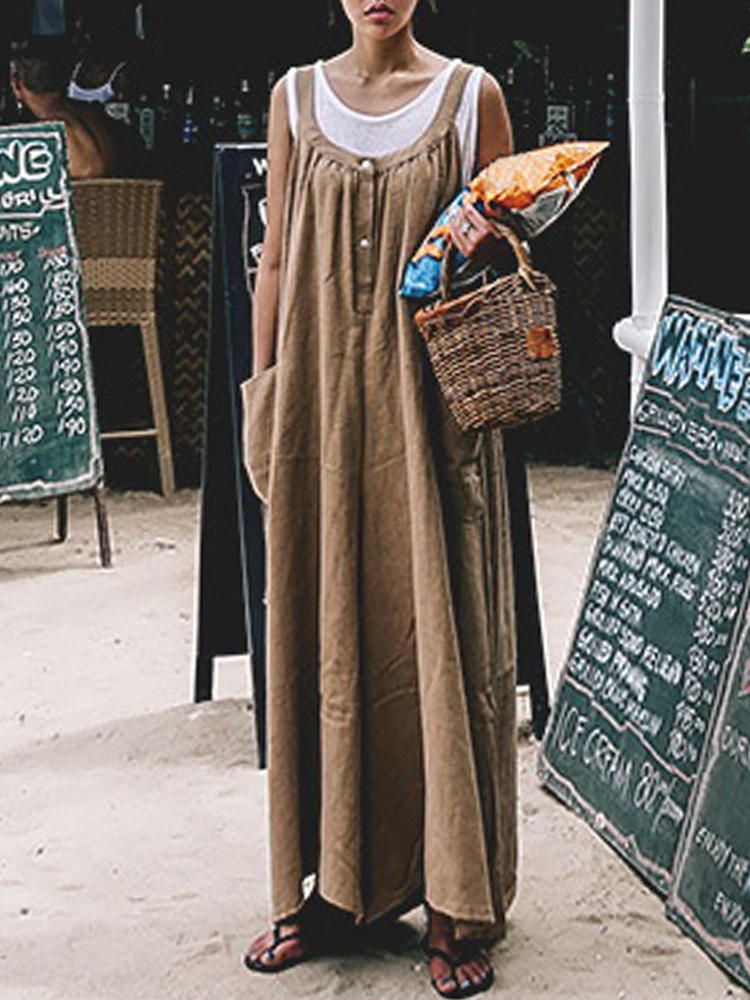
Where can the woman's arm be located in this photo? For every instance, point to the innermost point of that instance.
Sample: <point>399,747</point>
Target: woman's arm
<point>266,293</point>
<point>494,138</point>
<point>494,130</point>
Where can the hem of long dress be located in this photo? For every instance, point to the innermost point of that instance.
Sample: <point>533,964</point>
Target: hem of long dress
<point>406,900</point>
<point>469,923</point>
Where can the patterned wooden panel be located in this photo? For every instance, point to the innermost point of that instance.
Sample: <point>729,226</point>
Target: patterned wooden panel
<point>600,273</point>
<point>190,322</point>
<point>586,253</point>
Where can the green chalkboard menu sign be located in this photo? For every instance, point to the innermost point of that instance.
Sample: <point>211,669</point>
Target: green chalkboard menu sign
<point>710,897</point>
<point>49,441</point>
<point>667,589</point>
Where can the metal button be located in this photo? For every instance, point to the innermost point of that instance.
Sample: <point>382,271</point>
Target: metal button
<point>366,164</point>
<point>364,242</point>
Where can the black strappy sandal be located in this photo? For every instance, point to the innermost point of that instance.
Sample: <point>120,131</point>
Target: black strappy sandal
<point>466,954</point>
<point>256,965</point>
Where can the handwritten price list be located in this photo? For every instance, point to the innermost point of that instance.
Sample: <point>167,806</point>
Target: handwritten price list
<point>710,898</point>
<point>650,650</point>
<point>47,423</point>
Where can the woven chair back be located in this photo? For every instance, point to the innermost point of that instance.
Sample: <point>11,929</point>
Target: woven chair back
<point>117,222</point>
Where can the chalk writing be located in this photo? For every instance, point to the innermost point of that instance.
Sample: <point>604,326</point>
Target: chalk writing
<point>692,348</point>
<point>710,895</point>
<point>666,591</point>
<point>46,405</point>
<point>25,162</point>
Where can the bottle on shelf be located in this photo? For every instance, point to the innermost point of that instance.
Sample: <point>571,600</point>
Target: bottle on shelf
<point>192,160</point>
<point>219,120</point>
<point>246,124</point>
<point>190,124</point>
<point>166,124</point>
<point>144,112</point>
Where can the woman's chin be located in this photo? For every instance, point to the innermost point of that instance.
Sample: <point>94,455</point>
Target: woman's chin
<point>381,26</point>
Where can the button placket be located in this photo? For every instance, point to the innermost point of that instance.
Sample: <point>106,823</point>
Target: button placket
<point>363,250</point>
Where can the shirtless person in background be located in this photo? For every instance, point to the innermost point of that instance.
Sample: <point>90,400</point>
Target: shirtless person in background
<point>98,146</point>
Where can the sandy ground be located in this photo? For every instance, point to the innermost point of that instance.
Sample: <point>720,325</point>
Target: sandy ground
<point>132,822</point>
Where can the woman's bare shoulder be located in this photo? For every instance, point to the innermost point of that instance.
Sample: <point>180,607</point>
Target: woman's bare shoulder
<point>280,90</point>
<point>282,82</point>
<point>495,136</point>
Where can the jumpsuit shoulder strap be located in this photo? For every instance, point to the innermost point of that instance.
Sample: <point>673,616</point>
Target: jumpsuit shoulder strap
<point>451,99</point>
<point>304,79</point>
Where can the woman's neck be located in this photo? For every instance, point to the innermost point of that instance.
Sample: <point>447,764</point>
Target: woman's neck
<point>371,58</point>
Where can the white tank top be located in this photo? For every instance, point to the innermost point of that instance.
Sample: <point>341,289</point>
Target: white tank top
<point>379,135</point>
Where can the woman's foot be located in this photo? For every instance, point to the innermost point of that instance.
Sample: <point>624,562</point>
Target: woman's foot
<point>457,968</point>
<point>317,926</point>
<point>284,945</point>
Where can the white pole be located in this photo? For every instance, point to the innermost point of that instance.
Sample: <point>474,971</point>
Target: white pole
<point>648,184</point>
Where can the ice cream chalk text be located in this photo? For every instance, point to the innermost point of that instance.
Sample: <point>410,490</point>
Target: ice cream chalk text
<point>699,350</point>
<point>637,782</point>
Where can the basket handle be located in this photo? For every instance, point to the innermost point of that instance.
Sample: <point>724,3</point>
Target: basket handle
<point>501,231</point>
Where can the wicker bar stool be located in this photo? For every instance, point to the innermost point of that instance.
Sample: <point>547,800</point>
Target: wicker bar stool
<point>117,225</point>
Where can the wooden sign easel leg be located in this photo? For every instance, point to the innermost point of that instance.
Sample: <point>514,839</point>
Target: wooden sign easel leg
<point>61,532</point>
<point>102,527</point>
<point>102,523</point>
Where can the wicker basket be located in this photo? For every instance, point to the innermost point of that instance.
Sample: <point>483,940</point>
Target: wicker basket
<point>495,351</point>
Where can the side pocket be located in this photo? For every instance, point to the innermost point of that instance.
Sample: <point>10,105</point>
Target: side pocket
<point>258,395</point>
<point>459,455</point>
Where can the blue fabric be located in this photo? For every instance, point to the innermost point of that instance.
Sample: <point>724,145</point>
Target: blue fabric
<point>422,277</point>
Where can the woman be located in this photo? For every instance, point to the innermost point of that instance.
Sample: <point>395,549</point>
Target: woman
<point>389,596</point>
<point>97,146</point>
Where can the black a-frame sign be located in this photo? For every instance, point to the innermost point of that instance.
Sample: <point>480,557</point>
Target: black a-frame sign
<point>231,583</point>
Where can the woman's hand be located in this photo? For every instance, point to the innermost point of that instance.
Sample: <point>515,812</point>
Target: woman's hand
<point>473,235</point>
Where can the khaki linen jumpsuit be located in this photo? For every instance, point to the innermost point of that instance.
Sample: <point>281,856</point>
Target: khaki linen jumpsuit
<point>390,632</point>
